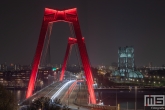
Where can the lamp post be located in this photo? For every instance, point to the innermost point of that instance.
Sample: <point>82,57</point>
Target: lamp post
<point>116,99</point>
<point>80,91</point>
<point>135,96</point>
<point>69,75</point>
<point>89,99</point>
<point>68,95</point>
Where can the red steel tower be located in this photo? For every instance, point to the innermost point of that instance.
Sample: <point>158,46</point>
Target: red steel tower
<point>71,41</point>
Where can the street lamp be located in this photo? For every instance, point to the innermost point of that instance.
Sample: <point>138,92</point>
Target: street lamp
<point>68,94</point>
<point>116,97</point>
<point>135,96</point>
<point>154,83</point>
<point>89,99</point>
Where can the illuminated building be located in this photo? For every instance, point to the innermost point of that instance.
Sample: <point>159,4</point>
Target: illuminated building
<point>126,66</point>
<point>19,79</point>
<point>125,60</point>
<point>3,67</point>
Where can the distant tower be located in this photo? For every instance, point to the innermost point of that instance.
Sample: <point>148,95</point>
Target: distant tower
<point>125,60</point>
<point>150,64</point>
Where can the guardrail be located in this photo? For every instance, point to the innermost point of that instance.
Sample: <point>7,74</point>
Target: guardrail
<point>104,107</point>
<point>130,109</point>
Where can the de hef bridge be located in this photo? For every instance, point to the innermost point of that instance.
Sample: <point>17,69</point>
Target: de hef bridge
<point>62,88</point>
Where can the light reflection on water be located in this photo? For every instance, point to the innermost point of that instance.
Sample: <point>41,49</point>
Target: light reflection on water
<point>126,98</point>
<point>19,94</point>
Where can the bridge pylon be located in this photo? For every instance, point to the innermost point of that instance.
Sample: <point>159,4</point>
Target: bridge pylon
<point>71,42</point>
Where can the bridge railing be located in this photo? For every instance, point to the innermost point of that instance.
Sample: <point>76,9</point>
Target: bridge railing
<point>104,107</point>
<point>130,109</point>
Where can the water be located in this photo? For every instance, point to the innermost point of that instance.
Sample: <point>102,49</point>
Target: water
<point>125,98</point>
<point>19,94</point>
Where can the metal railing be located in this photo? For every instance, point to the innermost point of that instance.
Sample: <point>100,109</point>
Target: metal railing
<point>105,107</point>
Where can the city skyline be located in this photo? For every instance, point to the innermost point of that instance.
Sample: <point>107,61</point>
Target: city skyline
<point>106,26</point>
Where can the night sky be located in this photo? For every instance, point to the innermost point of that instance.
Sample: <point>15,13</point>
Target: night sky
<point>105,24</point>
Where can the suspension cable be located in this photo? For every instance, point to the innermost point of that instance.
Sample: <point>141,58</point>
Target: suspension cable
<point>45,50</point>
<point>77,54</point>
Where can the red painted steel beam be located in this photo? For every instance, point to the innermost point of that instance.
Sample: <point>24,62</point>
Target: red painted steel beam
<point>37,59</point>
<point>71,41</point>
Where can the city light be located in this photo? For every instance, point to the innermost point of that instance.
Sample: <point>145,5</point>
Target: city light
<point>54,69</point>
<point>42,78</point>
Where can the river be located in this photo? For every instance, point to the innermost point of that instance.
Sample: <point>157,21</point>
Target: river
<point>125,97</point>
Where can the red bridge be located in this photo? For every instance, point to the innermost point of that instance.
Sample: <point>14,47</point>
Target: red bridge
<point>70,16</point>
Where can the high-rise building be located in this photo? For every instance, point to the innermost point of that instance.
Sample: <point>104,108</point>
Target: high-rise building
<point>125,60</point>
<point>3,67</point>
<point>126,64</point>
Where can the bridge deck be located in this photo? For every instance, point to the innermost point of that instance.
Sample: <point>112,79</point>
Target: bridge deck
<point>45,92</point>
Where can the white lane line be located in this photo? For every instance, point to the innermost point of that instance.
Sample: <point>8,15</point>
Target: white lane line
<point>58,92</point>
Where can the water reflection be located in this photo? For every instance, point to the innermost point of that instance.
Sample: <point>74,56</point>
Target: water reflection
<point>19,94</point>
<point>126,98</point>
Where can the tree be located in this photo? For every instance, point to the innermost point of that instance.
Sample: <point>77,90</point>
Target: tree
<point>7,100</point>
<point>45,103</point>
